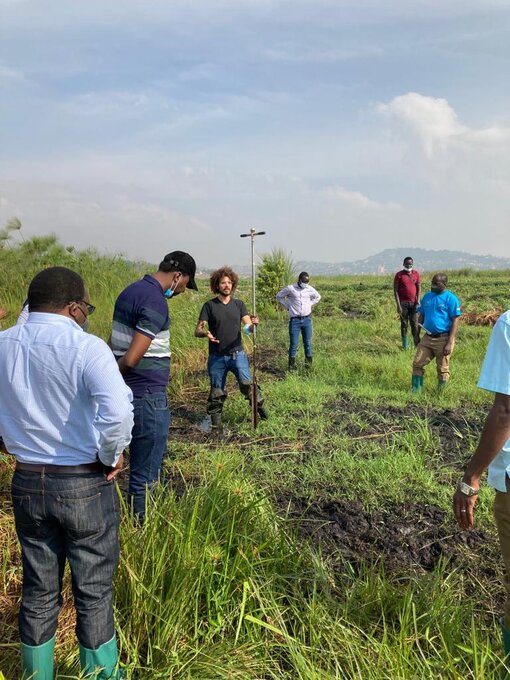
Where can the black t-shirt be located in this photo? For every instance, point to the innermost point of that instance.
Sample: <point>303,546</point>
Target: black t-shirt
<point>224,322</point>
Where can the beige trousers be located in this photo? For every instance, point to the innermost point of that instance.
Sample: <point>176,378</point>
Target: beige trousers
<point>502,516</point>
<point>428,349</point>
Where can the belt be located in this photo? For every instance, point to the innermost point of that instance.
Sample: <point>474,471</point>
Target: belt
<point>437,335</point>
<point>60,469</point>
<point>300,317</point>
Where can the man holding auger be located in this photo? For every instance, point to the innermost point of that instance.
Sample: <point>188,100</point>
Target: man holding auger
<point>493,451</point>
<point>220,322</point>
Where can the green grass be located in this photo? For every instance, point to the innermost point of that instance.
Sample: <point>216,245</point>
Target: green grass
<point>220,582</point>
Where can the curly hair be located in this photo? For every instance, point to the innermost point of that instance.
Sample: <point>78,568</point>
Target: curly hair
<point>219,274</point>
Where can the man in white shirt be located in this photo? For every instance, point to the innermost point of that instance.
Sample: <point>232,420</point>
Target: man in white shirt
<point>298,299</point>
<point>66,416</point>
<point>493,451</point>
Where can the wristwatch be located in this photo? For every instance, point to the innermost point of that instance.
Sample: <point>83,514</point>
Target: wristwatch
<point>466,489</point>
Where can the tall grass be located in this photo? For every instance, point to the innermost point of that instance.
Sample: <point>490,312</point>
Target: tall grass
<point>217,584</point>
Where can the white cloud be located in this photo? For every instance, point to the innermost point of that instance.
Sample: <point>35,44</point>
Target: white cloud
<point>438,127</point>
<point>356,199</point>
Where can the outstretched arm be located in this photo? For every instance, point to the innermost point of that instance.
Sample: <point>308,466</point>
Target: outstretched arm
<point>202,332</point>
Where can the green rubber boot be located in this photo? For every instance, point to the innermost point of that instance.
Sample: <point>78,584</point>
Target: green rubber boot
<point>37,661</point>
<point>441,384</point>
<point>405,342</point>
<point>101,663</point>
<point>416,383</point>
<point>506,643</point>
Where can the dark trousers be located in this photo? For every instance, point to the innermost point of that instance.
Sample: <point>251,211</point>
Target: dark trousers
<point>148,447</point>
<point>73,517</point>
<point>408,316</point>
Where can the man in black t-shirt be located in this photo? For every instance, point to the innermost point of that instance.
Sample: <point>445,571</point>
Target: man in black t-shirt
<point>223,316</point>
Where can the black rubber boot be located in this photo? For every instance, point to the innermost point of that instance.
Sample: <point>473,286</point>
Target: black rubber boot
<point>262,411</point>
<point>215,402</point>
<point>308,363</point>
<point>216,421</point>
<point>246,391</point>
<point>292,363</point>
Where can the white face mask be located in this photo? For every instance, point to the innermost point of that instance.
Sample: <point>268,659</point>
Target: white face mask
<point>408,269</point>
<point>302,285</point>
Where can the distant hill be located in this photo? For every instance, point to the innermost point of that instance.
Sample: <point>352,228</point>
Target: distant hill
<point>390,260</point>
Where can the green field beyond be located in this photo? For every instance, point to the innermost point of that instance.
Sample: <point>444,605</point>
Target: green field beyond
<point>322,545</point>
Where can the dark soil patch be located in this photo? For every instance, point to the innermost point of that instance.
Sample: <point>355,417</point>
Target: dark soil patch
<point>452,426</point>
<point>405,536</point>
<point>269,361</point>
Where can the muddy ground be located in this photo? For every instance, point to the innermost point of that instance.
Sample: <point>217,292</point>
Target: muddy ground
<point>407,536</point>
<point>411,536</point>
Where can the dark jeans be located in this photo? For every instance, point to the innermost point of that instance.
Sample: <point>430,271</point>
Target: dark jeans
<point>300,325</point>
<point>409,316</point>
<point>148,447</point>
<point>73,517</point>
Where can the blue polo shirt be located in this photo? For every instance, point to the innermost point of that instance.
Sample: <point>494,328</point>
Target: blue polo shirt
<point>495,377</point>
<point>439,311</point>
<point>142,307</point>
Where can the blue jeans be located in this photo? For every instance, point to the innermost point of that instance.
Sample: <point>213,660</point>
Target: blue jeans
<point>218,367</point>
<point>73,517</point>
<point>148,447</point>
<point>300,325</point>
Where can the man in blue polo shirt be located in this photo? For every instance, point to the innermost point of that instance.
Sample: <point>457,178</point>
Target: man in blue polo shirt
<point>493,451</point>
<point>140,341</point>
<point>439,313</point>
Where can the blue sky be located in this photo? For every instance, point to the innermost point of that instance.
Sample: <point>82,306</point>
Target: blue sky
<point>340,127</point>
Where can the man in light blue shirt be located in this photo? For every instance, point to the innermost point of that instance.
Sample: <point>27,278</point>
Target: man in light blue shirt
<point>66,415</point>
<point>493,451</point>
<point>439,314</point>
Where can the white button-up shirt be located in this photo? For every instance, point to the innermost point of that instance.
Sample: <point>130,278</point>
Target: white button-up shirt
<point>63,400</point>
<point>298,301</point>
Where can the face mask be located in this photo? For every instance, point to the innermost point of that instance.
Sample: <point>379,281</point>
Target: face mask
<point>436,289</point>
<point>408,269</point>
<point>85,326</point>
<point>168,293</point>
<point>302,285</point>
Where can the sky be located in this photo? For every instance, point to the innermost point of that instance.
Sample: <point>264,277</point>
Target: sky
<point>339,127</point>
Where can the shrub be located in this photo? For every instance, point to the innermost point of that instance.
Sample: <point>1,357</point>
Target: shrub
<point>276,271</point>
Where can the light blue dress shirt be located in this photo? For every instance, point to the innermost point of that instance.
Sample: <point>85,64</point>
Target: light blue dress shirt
<point>495,377</point>
<point>63,400</point>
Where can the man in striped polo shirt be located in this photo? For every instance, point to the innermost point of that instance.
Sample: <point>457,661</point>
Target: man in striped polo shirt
<point>140,341</point>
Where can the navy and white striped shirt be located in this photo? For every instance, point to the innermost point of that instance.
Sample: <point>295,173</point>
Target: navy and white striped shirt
<point>142,307</point>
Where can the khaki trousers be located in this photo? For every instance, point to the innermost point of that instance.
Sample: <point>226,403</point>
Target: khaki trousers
<point>502,516</point>
<point>428,349</point>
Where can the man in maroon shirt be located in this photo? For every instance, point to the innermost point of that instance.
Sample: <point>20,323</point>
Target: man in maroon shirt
<point>407,288</point>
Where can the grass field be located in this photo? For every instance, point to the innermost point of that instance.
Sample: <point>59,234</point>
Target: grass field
<point>320,546</point>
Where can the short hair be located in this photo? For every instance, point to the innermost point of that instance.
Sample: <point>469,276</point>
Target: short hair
<point>54,288</point>
<point>407,258</point>
<point>303,275</point>
<point>216,276</point>
<point>441,277</point>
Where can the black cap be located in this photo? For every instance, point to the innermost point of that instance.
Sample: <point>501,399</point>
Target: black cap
<point>181,262</point>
